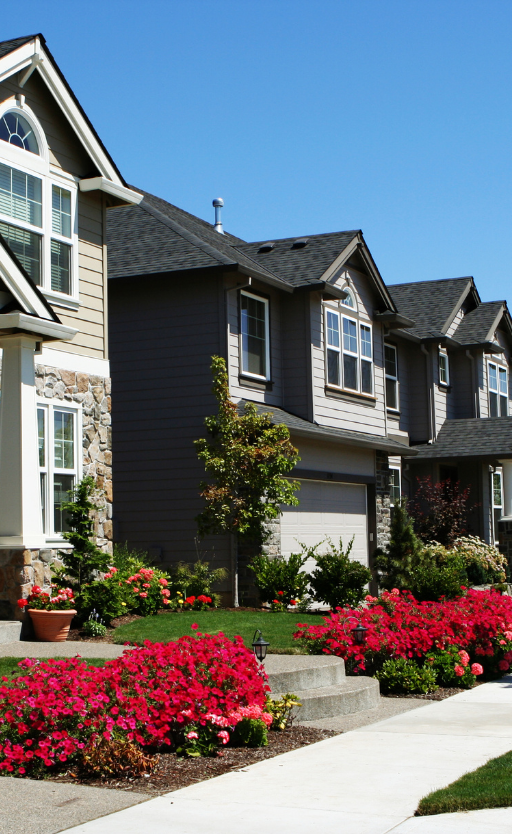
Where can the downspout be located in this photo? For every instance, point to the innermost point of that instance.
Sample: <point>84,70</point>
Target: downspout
<point>476,398</point>
<point>233,543</point>
<point>430,396</point>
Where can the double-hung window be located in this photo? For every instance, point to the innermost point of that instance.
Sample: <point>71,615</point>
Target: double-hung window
<point>498,390</point>
<point>391,367</point>
<point>37,209</point>
<point>254,336</point>
<point>444,368</point>
<point>58,463</point>
<point>394,486</point>
<point>497,500</point>
<point>349,352</point>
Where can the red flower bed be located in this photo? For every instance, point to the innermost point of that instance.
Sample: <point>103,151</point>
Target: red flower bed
<point>149,695</point>
<point>398,626</point>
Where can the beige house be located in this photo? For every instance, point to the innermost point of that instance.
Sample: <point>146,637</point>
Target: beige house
<point>56,182</point>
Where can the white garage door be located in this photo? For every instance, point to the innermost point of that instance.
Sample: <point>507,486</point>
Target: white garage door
<point>326,509</point>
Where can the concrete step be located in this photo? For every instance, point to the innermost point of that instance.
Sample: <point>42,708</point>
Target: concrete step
<point>290,673</point>
<point>10,631</point>
<point>355,695</point>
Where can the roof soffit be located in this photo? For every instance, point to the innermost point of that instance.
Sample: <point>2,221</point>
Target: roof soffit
<point>35,54</point>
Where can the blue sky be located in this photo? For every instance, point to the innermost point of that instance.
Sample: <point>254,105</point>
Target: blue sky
<point>393,116</point>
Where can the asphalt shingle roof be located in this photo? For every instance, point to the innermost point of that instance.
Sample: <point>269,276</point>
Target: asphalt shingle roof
<point>156,236</point>
<point>471,438</point>
<point>306,429</point>
<point>428,303</point>
<point>476,325</point>
<point>304,265</point>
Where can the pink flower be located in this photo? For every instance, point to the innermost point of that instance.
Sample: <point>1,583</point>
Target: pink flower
<point>503,665</point>
<point>224,736</point>
<point>508,635</point>
<point>459,670</point>
<point>143,594</point>
<point>192,735</point>
<point>396,592</point>
<point>476,669</point>
<point>464,657</point>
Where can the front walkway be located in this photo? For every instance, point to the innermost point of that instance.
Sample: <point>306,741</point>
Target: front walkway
<point>368,781</point>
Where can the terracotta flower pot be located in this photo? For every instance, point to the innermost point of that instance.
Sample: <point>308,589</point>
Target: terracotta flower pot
<point>51,626</point>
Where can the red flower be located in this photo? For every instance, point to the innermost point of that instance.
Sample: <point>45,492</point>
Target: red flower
<point>22,603</point>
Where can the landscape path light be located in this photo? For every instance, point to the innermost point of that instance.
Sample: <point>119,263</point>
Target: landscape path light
<point>358,632</point>
<point>260,646</point>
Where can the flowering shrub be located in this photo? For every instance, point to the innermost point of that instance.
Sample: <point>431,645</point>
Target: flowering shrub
<point>152,696</point>
<point>280,605</point>
<point>62,600</point>
<point>484,562</point>
<point>452,667</point>
<point>480,622</point>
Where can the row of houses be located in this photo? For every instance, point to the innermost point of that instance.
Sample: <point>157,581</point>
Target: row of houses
<point>378,384</point>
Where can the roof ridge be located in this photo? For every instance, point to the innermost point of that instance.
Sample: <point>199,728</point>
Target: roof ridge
<point>297,237</point>
<point>431,281</point>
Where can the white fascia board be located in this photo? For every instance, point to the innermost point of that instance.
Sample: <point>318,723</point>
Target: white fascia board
<point>49,329</point>
<point>112,188</point>
<point>19,287</point>
<point>21,58</point>
<point>64,360</point>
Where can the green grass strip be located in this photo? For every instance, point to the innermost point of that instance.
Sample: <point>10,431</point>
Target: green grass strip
<point>490,786</point>
<point>9,665</point>
<point>277,628</point>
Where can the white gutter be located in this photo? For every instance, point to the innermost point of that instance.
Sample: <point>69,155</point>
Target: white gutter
<point>53,330</point>
<point>112,188</point>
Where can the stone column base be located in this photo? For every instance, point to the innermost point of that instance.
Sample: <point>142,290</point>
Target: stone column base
<point>19,570</point>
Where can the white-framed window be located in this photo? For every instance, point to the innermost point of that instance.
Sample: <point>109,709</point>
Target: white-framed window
<point>348,301</point>
<point>349,352</point>
<point>254,336</point>
<point>498,390</point>
<point>37,206</point>
<point>394,485</point>
<point>59,434</point>
<point>497,500</point>
<point>391,368</point>
<point>444,367</point>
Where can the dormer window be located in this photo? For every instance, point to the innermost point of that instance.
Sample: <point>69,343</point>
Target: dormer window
<point>498,390</point>
<point>349,353</point>
<point>16,130</point>
<point>37,208</point>
<point>348,301</point>
<point>254,336</point>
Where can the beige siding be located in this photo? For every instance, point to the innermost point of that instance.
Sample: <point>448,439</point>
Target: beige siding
<point>329,457</point>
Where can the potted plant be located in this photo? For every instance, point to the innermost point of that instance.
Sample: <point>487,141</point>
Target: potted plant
<point>51,615</point>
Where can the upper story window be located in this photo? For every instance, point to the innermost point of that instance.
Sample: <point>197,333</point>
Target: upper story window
<point>391,367</point>
<point>498,390</point>
<point>37,207</point>
<point>16,130</point>
<point>348,301</point>
<point>444,368</point>
<point>349,353</point>
<point>254,336</point>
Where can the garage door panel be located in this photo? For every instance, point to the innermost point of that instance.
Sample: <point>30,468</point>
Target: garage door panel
<point>326,509</point>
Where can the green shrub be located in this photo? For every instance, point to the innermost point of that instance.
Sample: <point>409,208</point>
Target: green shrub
<point>94,627</point>
<point>404,554</point>
<point>445,663</point>
<point>196,580</point>
<point>436,577</point>
<point>401,675</point>
<point>250,732</point>
<point>484,563</point>
<point>277,577</point>
<point>107,597</point>
<point>338,580</point>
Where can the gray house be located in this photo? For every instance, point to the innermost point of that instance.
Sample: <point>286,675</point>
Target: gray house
<point>372,381</point>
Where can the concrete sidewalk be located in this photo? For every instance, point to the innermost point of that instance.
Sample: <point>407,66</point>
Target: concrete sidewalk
<point>368,781</point>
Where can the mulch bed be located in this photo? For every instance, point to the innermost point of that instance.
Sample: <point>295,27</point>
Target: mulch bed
<point>172,772</point>
<point>439,695</point>
<point>78,635</point>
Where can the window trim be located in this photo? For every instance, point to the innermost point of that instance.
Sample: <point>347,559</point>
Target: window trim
<point>264,299</point>
<point>394,409</point>
<point>340,312</point>
<point>497,391</point>
<point>50,406</point>
<point>38,166</point>
<point>395,469</point>
<point>443,353</point>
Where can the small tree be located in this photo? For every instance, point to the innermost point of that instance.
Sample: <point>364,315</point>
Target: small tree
<point>440,511</point>
<point>81,564</point>
<point>248,457</point>
<point>404,554</point>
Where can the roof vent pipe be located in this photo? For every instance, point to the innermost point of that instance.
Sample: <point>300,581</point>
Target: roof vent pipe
<point>217,204</point>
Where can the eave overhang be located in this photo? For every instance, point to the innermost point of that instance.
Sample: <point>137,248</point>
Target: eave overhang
<point>119,195</point>
<point>47,331</point>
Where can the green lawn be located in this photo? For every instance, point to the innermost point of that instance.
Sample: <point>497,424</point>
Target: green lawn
<point>277,628</point>
<point>9,665</point>
<point>488,787</point>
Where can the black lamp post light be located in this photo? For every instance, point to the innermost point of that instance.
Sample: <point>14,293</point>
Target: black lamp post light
<point>358,632</point>
<point>260,646</point>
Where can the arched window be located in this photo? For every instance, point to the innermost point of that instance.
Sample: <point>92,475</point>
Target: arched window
<point>349,300</point>
<point>16,130</point>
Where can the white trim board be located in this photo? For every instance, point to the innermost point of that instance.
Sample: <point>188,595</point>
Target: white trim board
<point>73,362</point>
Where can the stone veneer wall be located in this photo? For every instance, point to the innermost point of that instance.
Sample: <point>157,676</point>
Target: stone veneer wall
<point>382,499</point>
<point>20,569</point>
